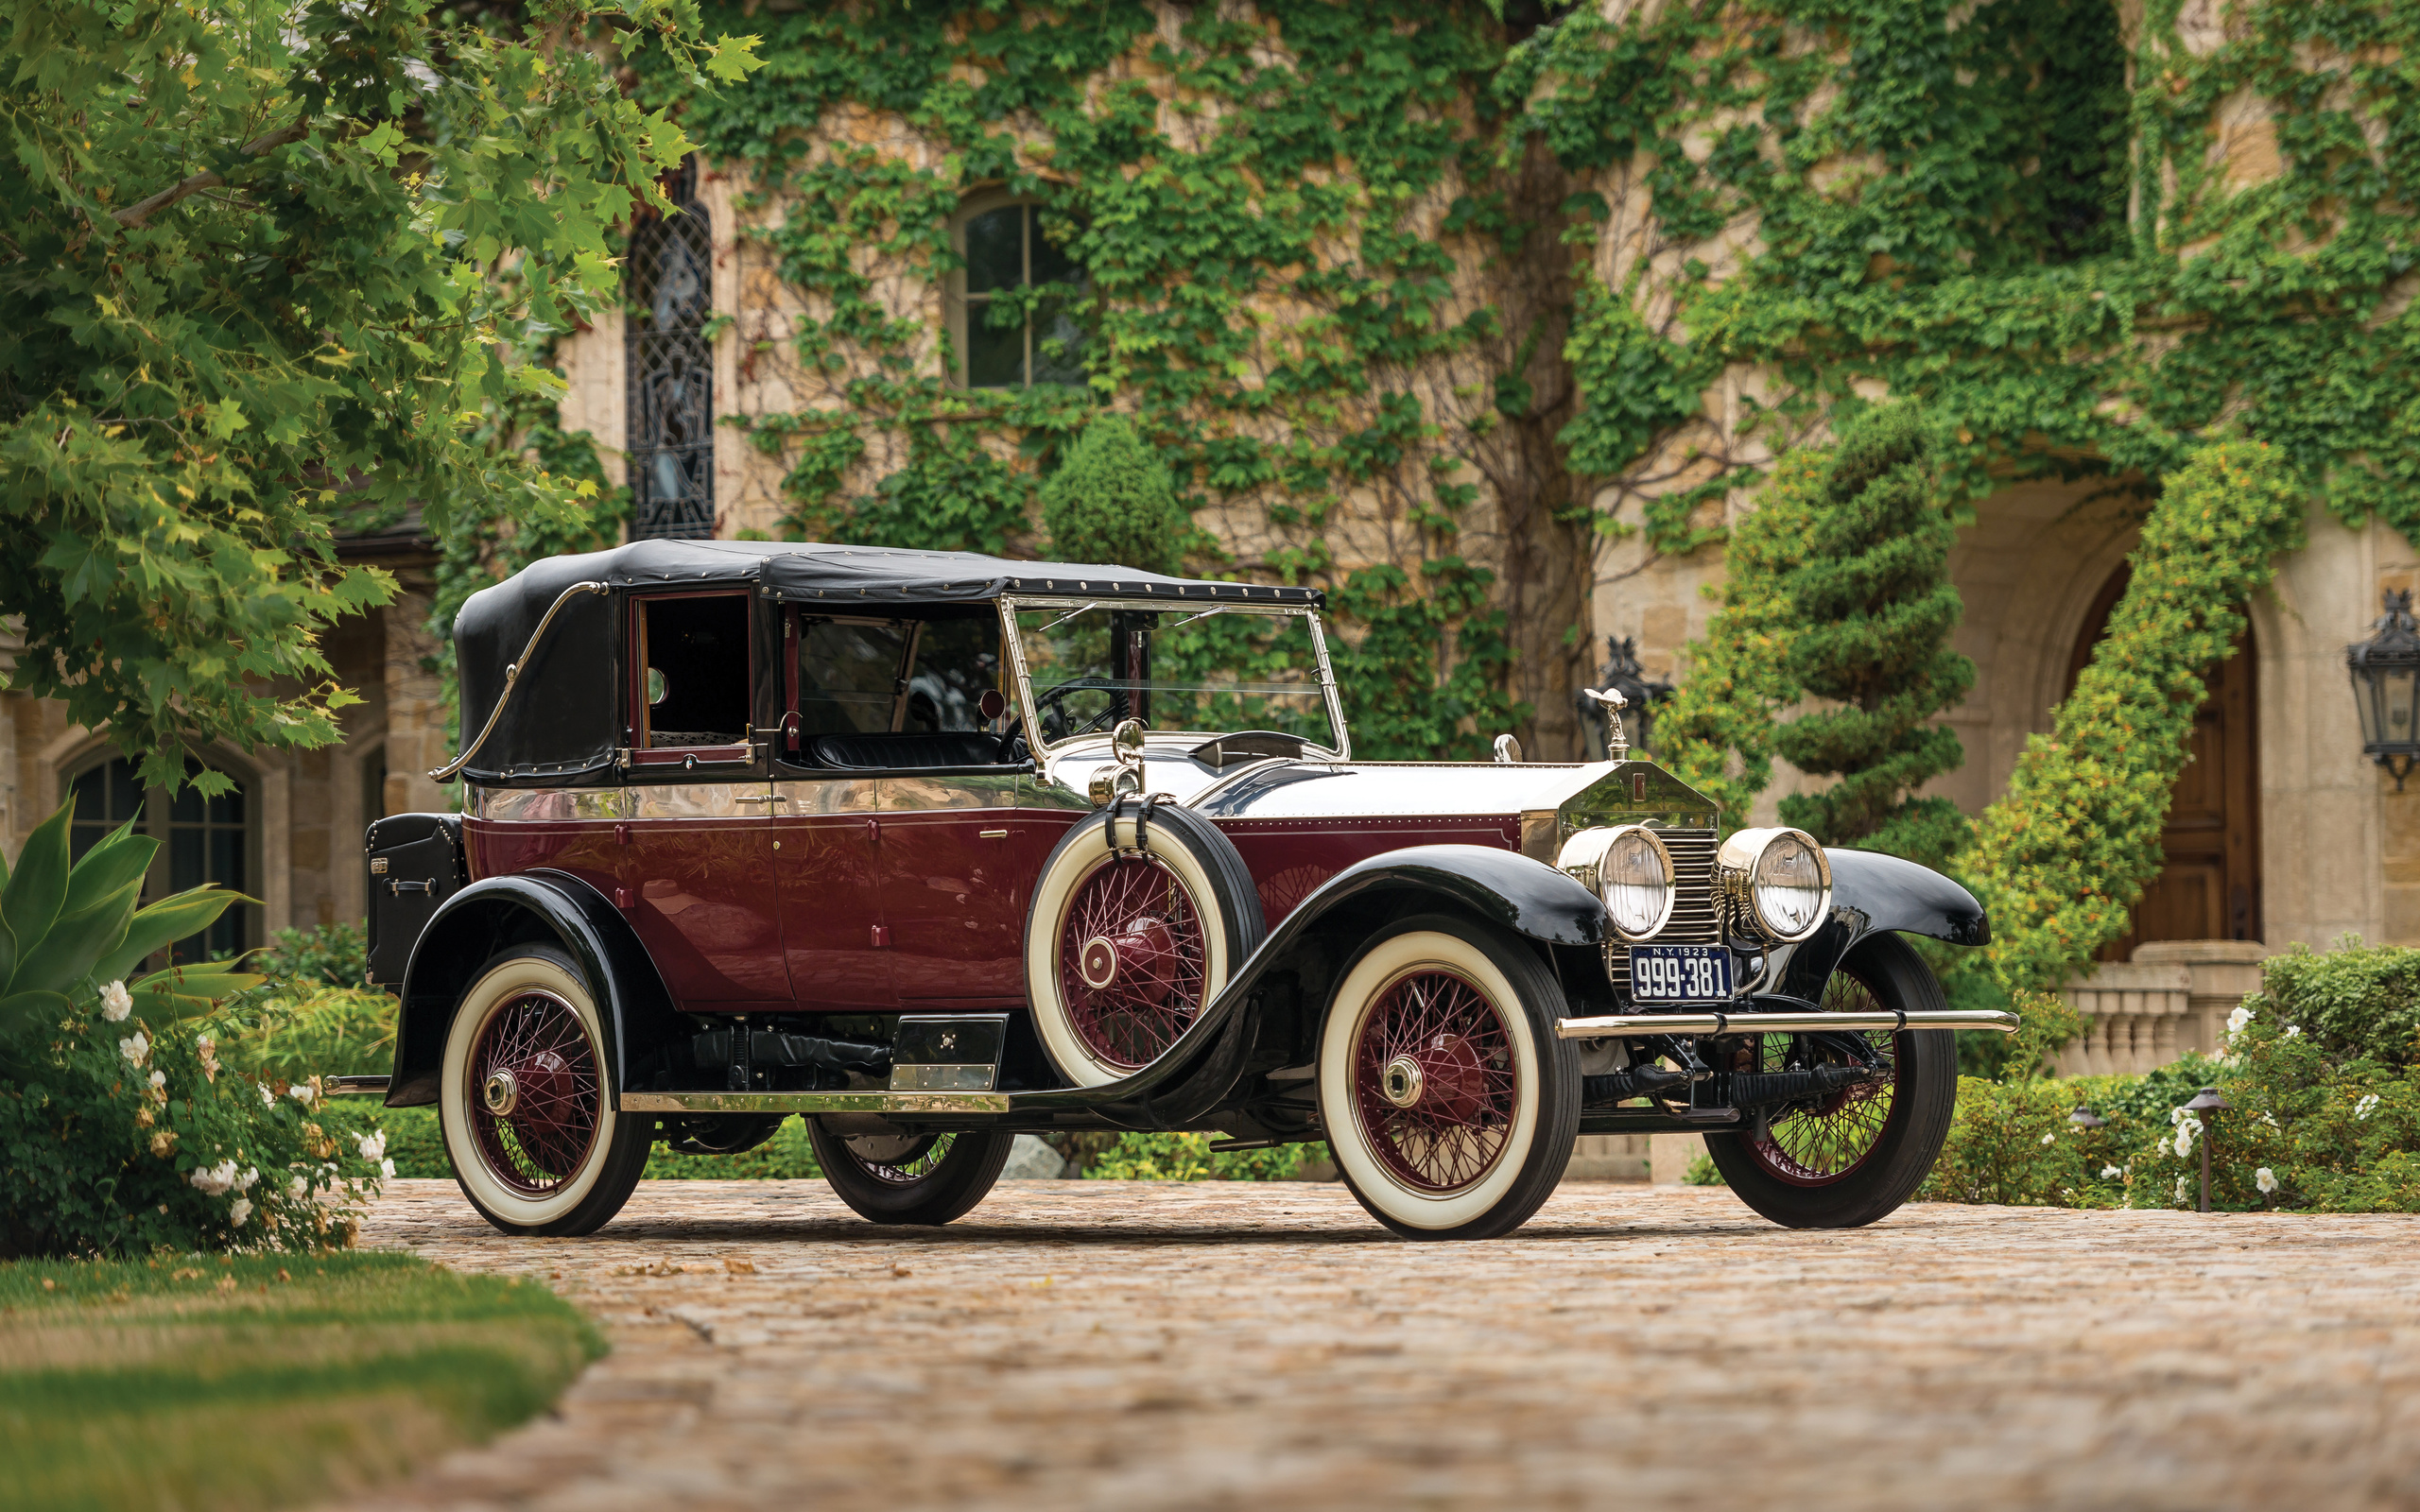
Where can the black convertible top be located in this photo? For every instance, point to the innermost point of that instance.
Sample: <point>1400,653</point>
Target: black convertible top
<point>561,728</point>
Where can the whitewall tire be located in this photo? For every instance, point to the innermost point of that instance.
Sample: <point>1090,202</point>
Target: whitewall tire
<point>526,1100</point>
<point>1123,950</point>
<point>1450,1106</point>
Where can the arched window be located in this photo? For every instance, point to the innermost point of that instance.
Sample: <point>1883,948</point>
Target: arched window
<point>668,369</point>
<point>1007,335</point>
<point>201,839</point>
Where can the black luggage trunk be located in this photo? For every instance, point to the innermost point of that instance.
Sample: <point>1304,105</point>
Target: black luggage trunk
<point>415,863</point>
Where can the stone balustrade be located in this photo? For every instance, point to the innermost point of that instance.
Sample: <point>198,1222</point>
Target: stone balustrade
<point>2174,997</point>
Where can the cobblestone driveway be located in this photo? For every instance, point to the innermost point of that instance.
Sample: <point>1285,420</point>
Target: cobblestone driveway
<point>1105,1345</point>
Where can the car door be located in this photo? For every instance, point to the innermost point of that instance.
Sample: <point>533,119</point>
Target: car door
<point>841,676</point>
<point>696,874</point>
<point>957,869</point>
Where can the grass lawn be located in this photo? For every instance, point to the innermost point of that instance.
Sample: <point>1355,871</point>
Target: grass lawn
<point>195,1383</point>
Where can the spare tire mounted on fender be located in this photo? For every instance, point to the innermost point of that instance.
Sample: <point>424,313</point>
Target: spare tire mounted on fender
<point>1140,915</point>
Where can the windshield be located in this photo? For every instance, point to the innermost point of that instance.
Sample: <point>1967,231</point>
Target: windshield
<point>1228,669</point>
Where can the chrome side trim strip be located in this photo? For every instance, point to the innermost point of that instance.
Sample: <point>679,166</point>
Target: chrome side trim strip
<point>815,1102</point>
<point>1633,1026</point>
<point>549,805</point>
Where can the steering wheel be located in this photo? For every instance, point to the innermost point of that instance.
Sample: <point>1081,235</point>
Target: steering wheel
<point>1054,718</point>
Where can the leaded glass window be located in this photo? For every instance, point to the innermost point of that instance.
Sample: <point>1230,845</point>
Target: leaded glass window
<point>201,841</point>
<point>1009,334</point>
<point>670,369</point>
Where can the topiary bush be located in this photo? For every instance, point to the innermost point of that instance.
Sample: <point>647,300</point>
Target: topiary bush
<point>1873,607</point>
<point>1115,501</point>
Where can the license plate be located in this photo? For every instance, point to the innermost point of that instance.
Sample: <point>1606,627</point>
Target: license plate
<point>1680,973</point>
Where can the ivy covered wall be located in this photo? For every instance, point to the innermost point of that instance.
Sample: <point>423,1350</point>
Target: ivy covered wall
<point>1491,326</point>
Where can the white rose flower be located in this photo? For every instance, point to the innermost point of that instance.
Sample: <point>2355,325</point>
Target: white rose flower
<point>2180,1189</point>
<point>116,1002</point>
<point>248,1179</point>
<point>2265,1179</point>
<point>238,1211</point>
<point>158,1079</point>
<point>374,1145</point>
<point>2183,1141</point>
<point>2368,1104</point>
<point>299,1189</point>
<point>2110,1172</point>
<point>2293,1031</point>
<point>301,1092</point>
<point>2176,1115</point>
<point>136,1047</point>
<point>213,1180</point>
<point>387,1169</point>
<point>269,1099</point>
<point>2237,1019</point>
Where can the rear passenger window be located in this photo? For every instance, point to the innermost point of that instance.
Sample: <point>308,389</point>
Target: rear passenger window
<point>849,675</point>
<point>694,651</point>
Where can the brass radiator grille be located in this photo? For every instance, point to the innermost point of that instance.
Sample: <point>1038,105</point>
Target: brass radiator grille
<point>1694,920</point>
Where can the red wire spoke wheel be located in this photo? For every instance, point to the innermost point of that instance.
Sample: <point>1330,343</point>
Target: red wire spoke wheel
<point>539,1093</point>
<point>526,1103</point>
<point>1132,961</point>
<point>1858,1152</point>
<point>1448,1101</point>
<point>1133,929</point>
<point>1816,1146</point>
<point>1433,1082</point>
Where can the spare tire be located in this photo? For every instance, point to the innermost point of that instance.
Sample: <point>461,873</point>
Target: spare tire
<point>1125,945</point>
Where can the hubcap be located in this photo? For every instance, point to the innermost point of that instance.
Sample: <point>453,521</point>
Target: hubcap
<point>501,1093</point>
<point>1401,1085</point>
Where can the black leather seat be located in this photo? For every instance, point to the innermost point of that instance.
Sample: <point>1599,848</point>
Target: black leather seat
<point>907,752</point>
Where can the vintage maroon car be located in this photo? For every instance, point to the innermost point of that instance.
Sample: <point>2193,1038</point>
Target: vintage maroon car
<point>930,848</point>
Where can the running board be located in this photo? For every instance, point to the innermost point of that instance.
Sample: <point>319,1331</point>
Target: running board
<point>1635,1025</point>
<point>815,1102</point>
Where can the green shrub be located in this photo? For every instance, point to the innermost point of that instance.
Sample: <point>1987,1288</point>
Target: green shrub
<point>120,1128</point>
<point>1189,1158</point>
<point>2311,1126</point>
<point>2358,1001</point>
<point>303,1029</point>
<point>337,953</point>
<point>1115,501</point>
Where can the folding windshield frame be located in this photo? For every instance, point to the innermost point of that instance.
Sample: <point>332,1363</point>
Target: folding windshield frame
<point>1030,713</point>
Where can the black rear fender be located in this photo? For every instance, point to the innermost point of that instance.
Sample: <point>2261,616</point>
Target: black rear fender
<point>534,907</point>
<point>1872,893</point>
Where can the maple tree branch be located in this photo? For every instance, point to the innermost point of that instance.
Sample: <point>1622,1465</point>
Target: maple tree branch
<point>135,214</point>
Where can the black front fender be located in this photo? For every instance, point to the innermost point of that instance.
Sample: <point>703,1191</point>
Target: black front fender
<point>534,907</point>
<point>1872,892</point>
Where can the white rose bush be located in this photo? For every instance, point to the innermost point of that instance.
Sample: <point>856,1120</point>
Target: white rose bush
<point>120,1129</point>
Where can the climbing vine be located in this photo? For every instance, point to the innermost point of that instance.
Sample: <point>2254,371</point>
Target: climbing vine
<point>1277,215</point>
<point>2068,850</point>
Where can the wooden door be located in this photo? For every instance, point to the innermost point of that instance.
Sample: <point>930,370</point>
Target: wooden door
<point>2210,886</point>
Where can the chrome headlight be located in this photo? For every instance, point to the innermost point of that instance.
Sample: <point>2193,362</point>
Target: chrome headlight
<point>1628,868</point>
<point>1775,882</point>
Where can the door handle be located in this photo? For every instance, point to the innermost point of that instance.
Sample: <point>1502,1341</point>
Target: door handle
<point>991,835</point>
<point>873,829</point>
<point>762,798</point>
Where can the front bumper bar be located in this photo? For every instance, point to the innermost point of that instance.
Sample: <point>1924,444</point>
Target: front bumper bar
<point>1638,1024</point>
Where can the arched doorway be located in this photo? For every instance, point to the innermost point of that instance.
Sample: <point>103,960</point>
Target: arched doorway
<point>2209,888</point>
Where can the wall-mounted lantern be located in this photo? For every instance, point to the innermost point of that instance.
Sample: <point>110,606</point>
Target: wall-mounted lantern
<point>2386,687</point>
